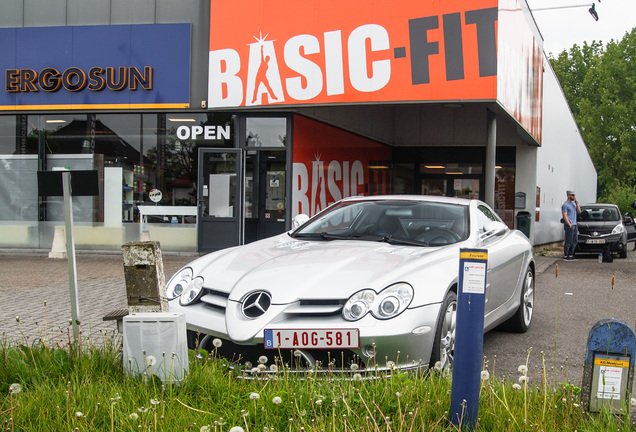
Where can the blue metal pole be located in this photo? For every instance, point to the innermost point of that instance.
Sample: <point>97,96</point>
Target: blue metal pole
<point>469,337</point>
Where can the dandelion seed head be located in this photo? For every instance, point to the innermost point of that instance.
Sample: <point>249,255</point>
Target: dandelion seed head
<point>273,368</point>
<point>485,375</point>
<point>523,369</point>
<point>633,402</point>
<point>205,428</point>
<point>522,379</point>
<point>237,429</point>
<point>154,401</point>
<point>516,386</point>
<point>438,365</point>
<point>151,361</point>
<point>79,414</point>
<point>15,388</point>
<point>254,396</point>
<point>133,416</point>
<point>353,366</point>
<point>357,377</point>
<point>217,342</point>
<point>262,359</point>
<point>277,400</point>
<point>17,319</point>
<point>261,367</point>
<point>319,402</point>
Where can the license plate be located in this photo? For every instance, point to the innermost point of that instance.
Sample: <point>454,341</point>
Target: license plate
<point>307,338</point>
<point>595,241</point>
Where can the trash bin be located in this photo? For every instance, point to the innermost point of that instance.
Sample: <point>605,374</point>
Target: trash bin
<point>523,222</point>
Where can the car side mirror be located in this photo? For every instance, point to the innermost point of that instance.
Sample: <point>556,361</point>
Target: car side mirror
<point>628,219</point>
<point>493,228</point>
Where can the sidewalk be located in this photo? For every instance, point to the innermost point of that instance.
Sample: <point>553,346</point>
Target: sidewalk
<point>37,298</point>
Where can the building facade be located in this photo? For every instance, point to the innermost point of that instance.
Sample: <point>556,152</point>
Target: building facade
<point>212,123</point>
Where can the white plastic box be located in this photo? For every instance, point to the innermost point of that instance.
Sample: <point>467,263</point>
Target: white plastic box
<point>156,344</point>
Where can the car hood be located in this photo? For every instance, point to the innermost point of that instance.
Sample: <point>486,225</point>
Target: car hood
<point>291,269</point>
<point>601,226</point>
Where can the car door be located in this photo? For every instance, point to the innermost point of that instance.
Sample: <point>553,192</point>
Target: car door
<point>505,258</point>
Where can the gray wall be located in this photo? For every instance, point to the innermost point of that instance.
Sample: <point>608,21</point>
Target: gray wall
<point>49,13</point>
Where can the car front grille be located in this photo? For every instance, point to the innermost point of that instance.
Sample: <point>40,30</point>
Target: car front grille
<point>218,300</point>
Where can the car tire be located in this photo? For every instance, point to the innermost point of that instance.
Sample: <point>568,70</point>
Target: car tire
<point>444,344</point>
<point>520,321</point>
<point>623,252</point>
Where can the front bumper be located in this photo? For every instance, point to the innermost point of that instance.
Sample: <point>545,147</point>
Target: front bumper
<point>616,243</point>
<point>404,342</point>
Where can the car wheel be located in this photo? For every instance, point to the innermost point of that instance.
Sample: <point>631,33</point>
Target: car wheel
<point>623,252</point>
<point>444,344</point>
<point>520,321</point>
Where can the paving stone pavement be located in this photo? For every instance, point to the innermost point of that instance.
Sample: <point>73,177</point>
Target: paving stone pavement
<point>35,288</point>
<point>36,296</point>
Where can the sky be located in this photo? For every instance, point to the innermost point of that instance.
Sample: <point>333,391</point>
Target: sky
<point>562,28</point>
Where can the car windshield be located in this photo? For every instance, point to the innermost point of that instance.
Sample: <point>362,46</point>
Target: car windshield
<point>599,214</point>
<point>418,223</point>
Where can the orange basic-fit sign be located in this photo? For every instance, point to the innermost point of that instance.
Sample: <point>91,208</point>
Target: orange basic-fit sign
<point>291,52</point>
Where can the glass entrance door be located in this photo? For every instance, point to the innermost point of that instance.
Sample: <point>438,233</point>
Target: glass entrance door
<point>265,195</point>
<point>220,221</point>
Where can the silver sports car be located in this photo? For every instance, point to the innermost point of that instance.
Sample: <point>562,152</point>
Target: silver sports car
<point>369,283</point>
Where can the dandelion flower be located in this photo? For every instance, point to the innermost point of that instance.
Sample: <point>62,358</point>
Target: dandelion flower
<point>516,386</point>
<point>254,396</point>
<point>273,368</point>
<point>248,365</point>
<point>522,379</point>
<point>79,414</point>
<point>277,400</point>
<point>438,365</point>
<point>262,359</point>
<point>357,377</point>
<point>261,367</point>
<point>133,416</point>
<point>353,366</point>
<point>397,395</point>
<point>254,370</point>
<point>15,388</point>
<point>523,369</point>
<point>390,364</point>
<point>485,375</point>
<point>151,361</point>
<point>237,429</point>
<point>217,342</point>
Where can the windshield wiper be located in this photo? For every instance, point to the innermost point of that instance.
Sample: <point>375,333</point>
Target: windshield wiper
<point>327,236</point>
<point>396,241</point>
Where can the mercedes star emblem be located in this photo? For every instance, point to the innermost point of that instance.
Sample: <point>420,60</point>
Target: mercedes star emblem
<point>256,304</point>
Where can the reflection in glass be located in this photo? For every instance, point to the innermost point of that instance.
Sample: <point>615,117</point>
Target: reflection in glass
<point>266,132</point>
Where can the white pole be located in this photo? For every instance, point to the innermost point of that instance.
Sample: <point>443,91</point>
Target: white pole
<point>70,253</point>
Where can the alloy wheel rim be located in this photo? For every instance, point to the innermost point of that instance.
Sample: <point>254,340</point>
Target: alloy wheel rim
<point>528,298</point>
<point>447,336</point>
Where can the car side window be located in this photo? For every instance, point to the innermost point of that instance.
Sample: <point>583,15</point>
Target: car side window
<point>484,215</point>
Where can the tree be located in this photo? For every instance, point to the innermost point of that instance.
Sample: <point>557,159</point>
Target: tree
<point>600,86</point>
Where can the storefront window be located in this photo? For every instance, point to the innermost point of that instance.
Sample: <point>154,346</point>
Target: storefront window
<point>8,141</point>
<point>266,132</point>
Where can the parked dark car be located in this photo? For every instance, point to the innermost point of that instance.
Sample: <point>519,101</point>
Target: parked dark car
<point>601,229</point>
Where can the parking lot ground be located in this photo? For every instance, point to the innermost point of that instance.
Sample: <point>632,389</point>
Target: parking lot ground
<point>35,289</point>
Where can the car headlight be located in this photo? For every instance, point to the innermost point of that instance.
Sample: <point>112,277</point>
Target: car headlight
<point>618,229</point>
<point>389,303</point>
<point>192,292</point>
<point>178,283</point>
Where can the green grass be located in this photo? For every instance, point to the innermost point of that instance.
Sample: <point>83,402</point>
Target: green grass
<point>69,388</point>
